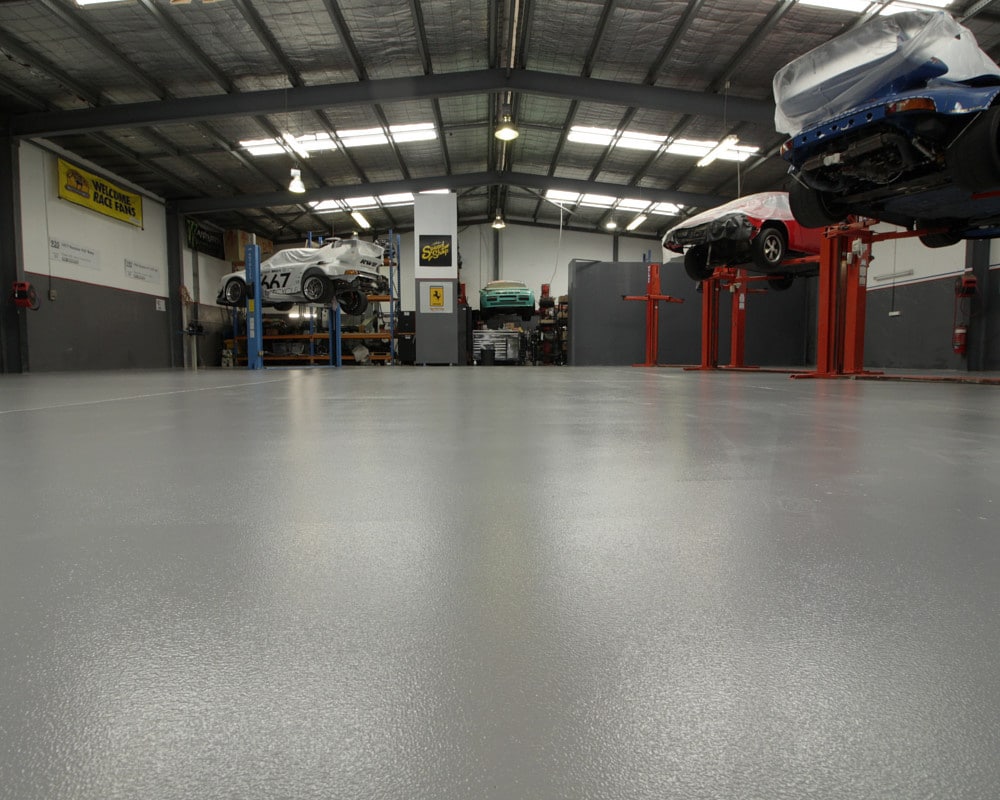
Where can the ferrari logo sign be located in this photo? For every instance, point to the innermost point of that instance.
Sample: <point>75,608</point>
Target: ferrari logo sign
<point>437,296</point>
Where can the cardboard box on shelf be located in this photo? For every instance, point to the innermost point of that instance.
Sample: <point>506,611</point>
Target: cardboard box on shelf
<point>236,242</point>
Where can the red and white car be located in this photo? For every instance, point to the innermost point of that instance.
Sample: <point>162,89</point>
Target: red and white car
<point>756,233</point>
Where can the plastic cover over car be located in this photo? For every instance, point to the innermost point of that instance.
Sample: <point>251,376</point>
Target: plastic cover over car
<point>764,205</point>
<point>338,249</point>
<point>847,71</point>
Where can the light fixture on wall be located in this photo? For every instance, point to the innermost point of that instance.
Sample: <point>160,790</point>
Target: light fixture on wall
<point>506,132</point>
<point>296,185</point>
<point>498,222</point>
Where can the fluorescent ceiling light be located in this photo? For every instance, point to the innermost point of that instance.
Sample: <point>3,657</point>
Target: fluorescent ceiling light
<point>360,219</point>
<point>296,184</point>
<point>636,222</point>
<point>718,150</point>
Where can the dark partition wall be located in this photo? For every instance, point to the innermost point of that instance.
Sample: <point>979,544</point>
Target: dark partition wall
<point>96,327</point>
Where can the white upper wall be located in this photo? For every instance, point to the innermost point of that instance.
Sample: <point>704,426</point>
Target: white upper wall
<point>903,255</point>
<point>100,246</point>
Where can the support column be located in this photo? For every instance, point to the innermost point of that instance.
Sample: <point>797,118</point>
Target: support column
<point>977,258</point>
<point>175,276</point>
<point>13,324</point>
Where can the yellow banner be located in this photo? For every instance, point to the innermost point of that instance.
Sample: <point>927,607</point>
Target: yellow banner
<point>94,192</point>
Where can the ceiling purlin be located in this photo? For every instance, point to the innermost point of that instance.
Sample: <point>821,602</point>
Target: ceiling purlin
<point>425,59</point>
<point>114,145</point>
<point>292,75</point>
<point>721,83</point>
<point>586,72</point>
<point>669,47</point>
<point>99,43</point>
<point>357,64</point>
<point>520,13</point>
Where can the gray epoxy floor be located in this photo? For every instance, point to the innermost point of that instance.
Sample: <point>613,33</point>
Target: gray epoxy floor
<point>497,583</point>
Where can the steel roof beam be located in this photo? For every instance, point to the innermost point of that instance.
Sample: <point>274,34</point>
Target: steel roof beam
<point>305,98</point>
<point>502,179</point>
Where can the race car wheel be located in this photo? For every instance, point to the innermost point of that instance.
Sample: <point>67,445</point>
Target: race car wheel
<point>780,282</point>
<point>353,303</point>
<point>235,292</point>
<point>696,263</point>
<point>811,208</point>
<point>284,306</point>
<point>974,158</point>
<point>768,248</point>
<point>315,288</point>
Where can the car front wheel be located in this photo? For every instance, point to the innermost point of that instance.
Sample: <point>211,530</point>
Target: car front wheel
<point>696,263</point>
<point>235,292</point>
<point>812,208</point>
<point>768,248</point>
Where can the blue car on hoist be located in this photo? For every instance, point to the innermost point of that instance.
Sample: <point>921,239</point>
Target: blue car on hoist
<point>899,121</point>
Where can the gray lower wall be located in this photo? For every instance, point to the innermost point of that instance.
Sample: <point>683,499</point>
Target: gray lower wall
<point>92,327</point>
<point>920,337</point>
<point>606,330</point>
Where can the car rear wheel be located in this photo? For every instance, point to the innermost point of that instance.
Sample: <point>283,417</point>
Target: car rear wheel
<point>315,288</point>
<point>975,157</point>
<point>780,282</point>
<point>235,292</point>
<point>353,303</point>
<point>768,248</point>
<point>811,208</point>
<point>945,239</point>
<point>696,263</point>
<point>284,306</point>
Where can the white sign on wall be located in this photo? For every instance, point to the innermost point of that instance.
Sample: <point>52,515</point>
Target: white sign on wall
<point>141,272</point>
<point>63,252</point>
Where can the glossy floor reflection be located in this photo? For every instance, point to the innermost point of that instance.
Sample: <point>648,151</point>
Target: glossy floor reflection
<point>497,583</point>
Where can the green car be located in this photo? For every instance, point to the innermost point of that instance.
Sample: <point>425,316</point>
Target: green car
<point>506,297</point>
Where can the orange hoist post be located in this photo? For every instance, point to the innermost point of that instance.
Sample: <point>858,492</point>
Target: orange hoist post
<point>652,299</point>
<point>737,282</point>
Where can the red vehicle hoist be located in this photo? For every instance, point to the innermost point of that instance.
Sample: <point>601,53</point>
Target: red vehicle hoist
<point>652,298</point>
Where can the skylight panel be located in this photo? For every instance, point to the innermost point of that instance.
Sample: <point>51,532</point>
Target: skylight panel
<point>360,203</point>
<point>668,209</point>
<point>262,147</point>
<point>633,204</point>
<point>641,141</point>
<point>855,6</point>
<point>559,196</point>
<point>598,201</point>
<point>599,136</point>
<point>402,199</point>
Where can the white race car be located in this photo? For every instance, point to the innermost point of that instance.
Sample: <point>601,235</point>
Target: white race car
<point>345,270</point>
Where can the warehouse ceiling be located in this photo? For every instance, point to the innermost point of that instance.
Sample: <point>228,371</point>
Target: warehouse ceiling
<point>210,104</point>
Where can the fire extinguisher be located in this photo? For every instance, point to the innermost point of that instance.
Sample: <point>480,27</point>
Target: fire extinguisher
<point>960,340</point>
